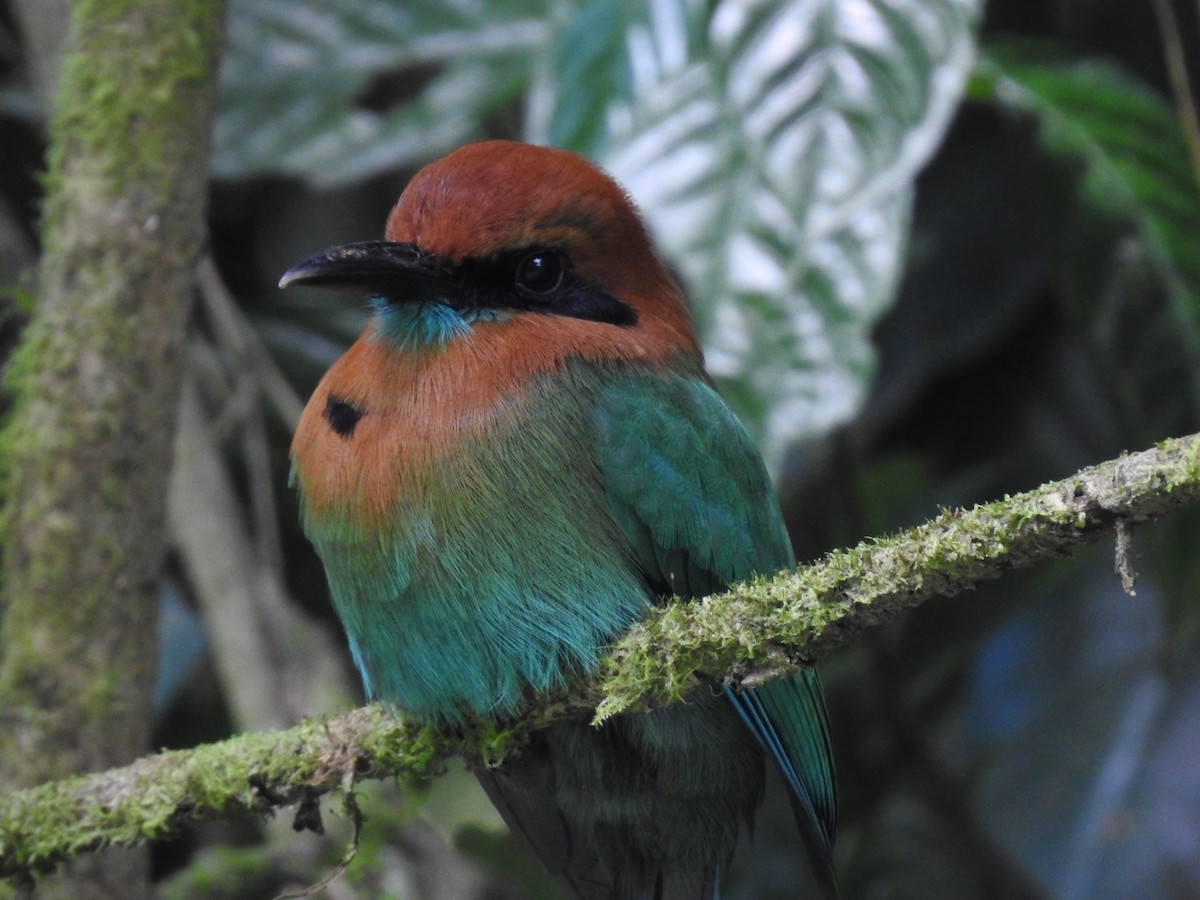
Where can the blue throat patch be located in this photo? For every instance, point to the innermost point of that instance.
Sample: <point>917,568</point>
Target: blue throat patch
<point>420,325</point>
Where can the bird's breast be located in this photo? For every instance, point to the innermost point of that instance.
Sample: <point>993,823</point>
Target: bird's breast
<point>380,419</point>
<point>469,544</point>
<point>379,422</point>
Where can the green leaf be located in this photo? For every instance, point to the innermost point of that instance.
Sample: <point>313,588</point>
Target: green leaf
<point>297,77</point>
<point>772,146</point>
<point>590,69</point>
<point>1134,170</point>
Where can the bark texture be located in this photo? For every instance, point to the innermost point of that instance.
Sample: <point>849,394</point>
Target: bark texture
<point>87,450</point>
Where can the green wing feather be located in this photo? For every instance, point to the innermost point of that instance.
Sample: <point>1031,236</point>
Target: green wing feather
<point>690,491</point>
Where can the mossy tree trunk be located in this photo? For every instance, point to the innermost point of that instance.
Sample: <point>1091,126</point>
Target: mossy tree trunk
<point>87,450</point>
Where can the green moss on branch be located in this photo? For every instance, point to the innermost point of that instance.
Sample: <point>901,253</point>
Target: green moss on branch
<point>760,630</point>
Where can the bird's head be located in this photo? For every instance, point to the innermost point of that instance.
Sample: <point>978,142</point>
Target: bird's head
<point>515,240</point>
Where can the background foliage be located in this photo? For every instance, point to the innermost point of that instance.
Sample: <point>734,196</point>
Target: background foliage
<point>937,253</point>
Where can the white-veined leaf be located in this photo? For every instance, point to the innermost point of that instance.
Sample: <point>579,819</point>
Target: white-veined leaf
<point>772,146</point>
<point>295,75</point>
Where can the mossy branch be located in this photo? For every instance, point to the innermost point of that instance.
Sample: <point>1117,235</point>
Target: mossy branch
<point>758,631</point>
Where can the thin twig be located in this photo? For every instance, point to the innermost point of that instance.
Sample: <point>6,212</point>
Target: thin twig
<point>1181,89</point>
<point>255,374</point>
<point>238,334</point>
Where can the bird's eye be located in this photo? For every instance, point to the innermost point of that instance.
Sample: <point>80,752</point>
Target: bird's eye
<point>541,271</point>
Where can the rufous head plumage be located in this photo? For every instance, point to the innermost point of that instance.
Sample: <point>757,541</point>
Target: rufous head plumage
<point>465,217</point>
<point>502,264</point>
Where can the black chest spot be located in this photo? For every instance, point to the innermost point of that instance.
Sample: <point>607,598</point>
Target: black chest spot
<point>342,416</point>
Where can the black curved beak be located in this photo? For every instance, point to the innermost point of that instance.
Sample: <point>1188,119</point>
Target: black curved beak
<point>380,268</point>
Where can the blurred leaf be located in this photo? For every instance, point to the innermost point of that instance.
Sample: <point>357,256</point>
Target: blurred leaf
<point>590,69</point>
<point>1154,833</point>
<point>908,851</point>
<point>310,338</point>
<point>321,88</point>
<point>1135,170</point>
<point>19,101</point>
<point>772,146</point>
<point>972,246</point>
<point>1076,732</point>
<point>181,645</point>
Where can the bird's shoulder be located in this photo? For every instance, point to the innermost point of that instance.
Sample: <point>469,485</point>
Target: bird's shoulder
<point>686,481</point>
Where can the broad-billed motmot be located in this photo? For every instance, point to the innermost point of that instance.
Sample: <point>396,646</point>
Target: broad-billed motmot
<point>518,458</point>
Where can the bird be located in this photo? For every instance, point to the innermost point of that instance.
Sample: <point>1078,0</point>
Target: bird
<point>519,458</point>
